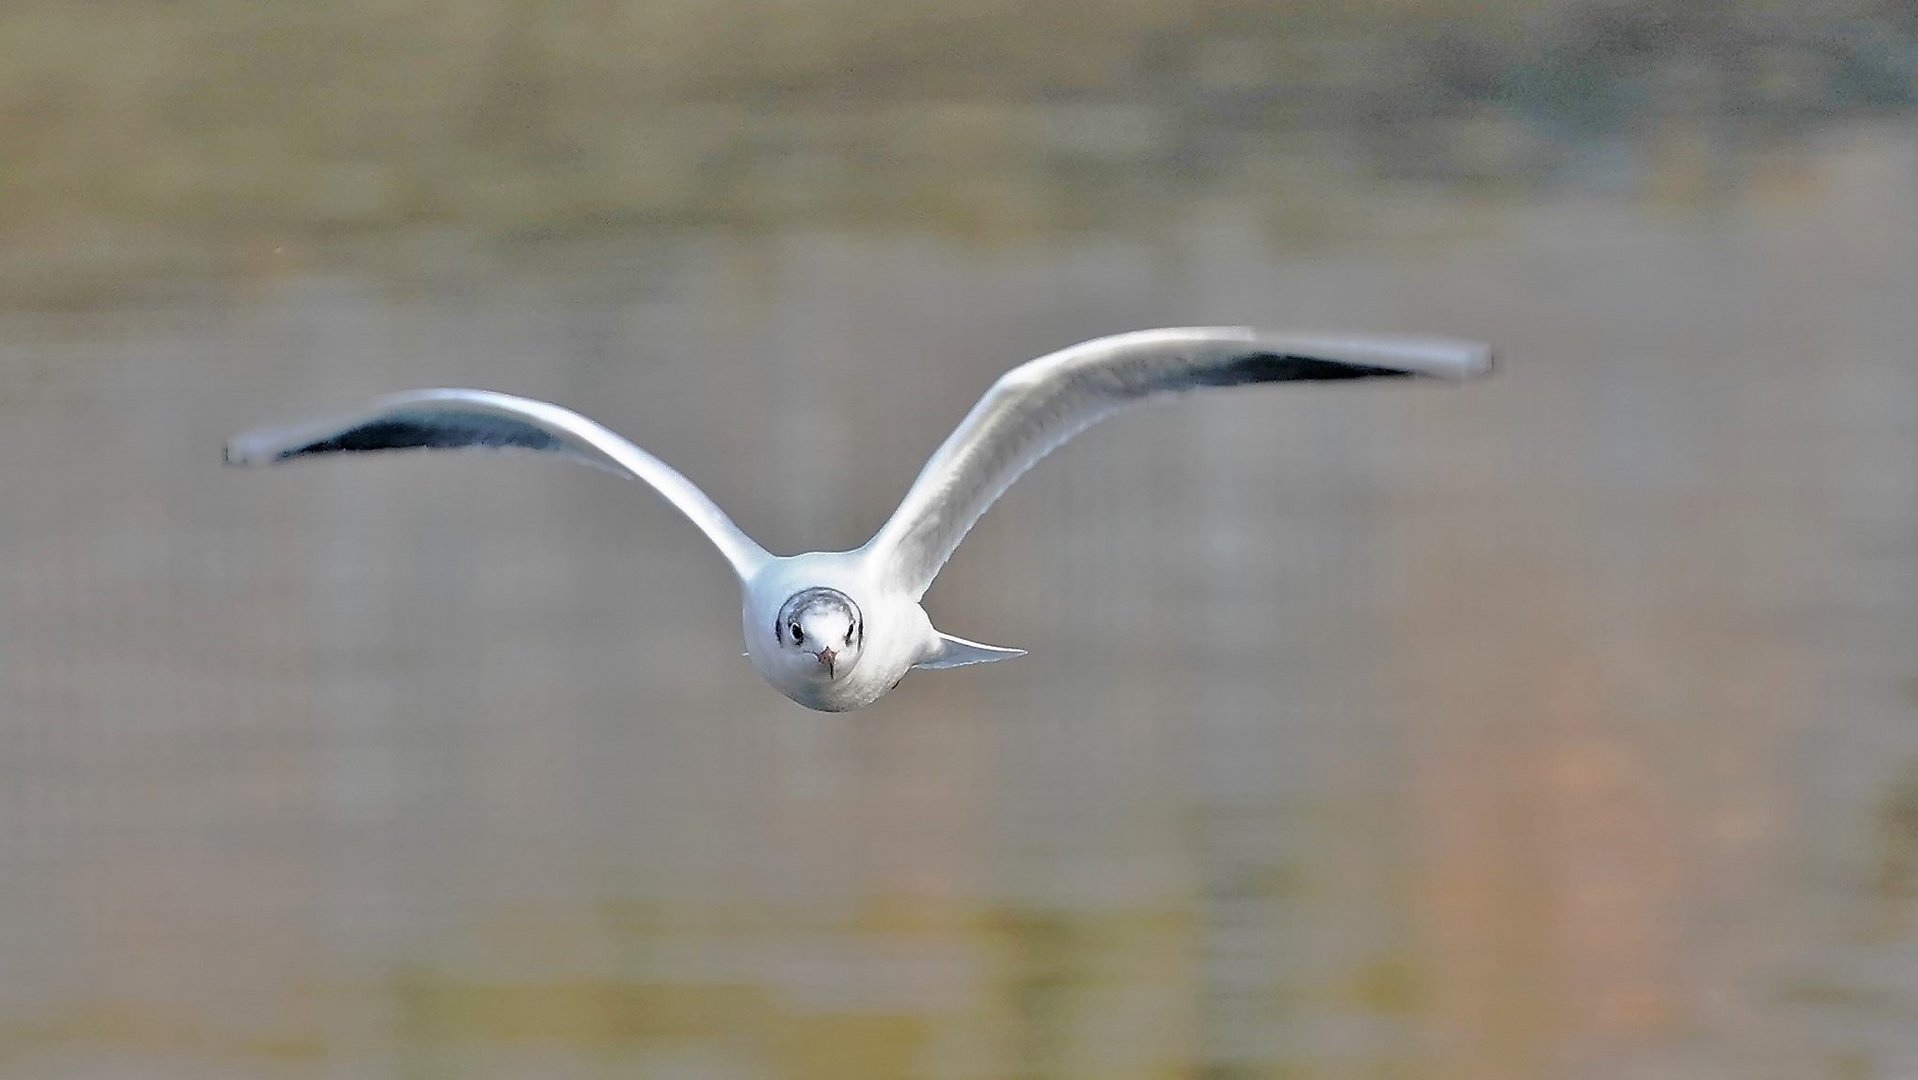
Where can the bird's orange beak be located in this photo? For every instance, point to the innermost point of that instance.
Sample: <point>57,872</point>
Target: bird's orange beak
<point>826,657</point>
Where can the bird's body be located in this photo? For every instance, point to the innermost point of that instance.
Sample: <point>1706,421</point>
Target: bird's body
<point>896,631</point>
<point>836,630</point>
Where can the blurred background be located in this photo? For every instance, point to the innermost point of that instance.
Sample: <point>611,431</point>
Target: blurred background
<point>1560,725</point>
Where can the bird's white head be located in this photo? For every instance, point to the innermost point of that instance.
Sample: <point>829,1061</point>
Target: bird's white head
<point>820,632</point>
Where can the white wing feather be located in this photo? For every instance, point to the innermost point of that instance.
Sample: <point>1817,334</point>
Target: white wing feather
<point>448,419</point>
<point>1035,407</point>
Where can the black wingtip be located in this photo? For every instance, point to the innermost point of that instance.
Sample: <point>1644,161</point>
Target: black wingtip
<point>407,433</point>
<point>1276,367</point>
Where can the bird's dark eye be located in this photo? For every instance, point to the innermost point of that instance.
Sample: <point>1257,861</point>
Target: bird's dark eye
<point>799,636</point>
<point>849,632</point>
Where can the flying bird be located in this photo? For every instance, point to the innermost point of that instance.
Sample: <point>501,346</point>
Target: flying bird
<point>836,630</point>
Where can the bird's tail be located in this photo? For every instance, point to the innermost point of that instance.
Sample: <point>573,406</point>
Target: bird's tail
<point>958,652</point>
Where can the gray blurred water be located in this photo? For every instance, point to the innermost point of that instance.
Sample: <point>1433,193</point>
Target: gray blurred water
<point>1564,724</point>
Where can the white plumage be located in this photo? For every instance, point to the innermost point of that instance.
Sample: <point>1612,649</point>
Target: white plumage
<point>836,630</point>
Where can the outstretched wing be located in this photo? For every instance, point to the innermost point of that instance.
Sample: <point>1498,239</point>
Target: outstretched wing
<point>448,419</point>
<point>1035,407</point>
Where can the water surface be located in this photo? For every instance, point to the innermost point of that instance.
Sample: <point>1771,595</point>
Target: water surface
<point>1564,724</point>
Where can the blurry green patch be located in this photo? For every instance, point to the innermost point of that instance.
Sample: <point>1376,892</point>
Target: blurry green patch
<point>1386,985</point>
<point>438,1011</point>
<point>1897,874</point>
<point>154,1030</point>
<point>810,999</point>
<point>1271,882</point>
<point>152,140</point>
<point>1851,1065</point>
<point>1850,998</point>
<point>849,1046</point>
<point>443,1008</point>
<point>1070,979</point>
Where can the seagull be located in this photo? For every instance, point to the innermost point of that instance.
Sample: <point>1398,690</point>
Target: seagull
<point>837,630</point>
